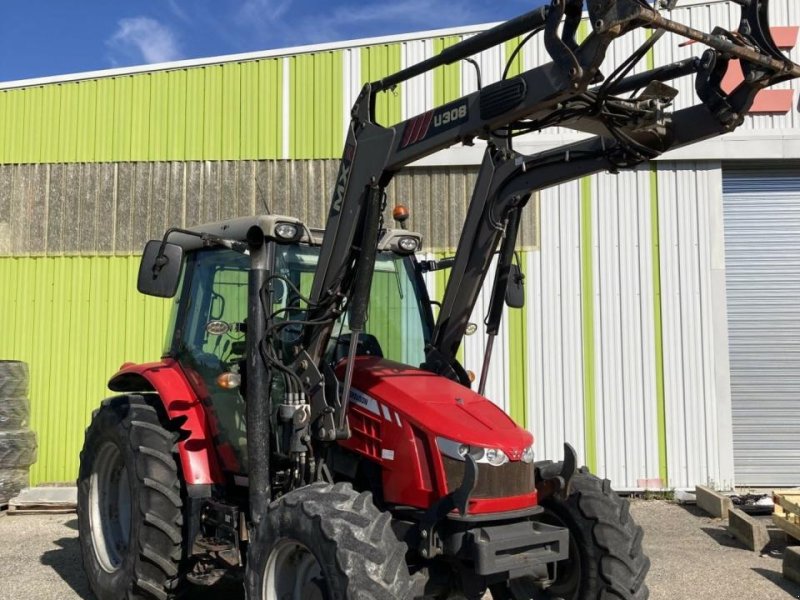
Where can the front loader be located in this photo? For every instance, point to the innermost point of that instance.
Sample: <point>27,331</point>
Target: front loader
<point>309,429</point>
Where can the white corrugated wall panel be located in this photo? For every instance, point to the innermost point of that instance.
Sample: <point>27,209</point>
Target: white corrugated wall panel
<point>555,339</point>
<point>417,93</point>
<point>626,399</point>
<point>623,308</point>
<point>352,84</point>
<point>687,191</point>
<point>497,381</point>
<point>491,63</point>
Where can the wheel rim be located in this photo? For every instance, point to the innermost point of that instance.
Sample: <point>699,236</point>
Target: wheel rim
<point>568,575</point>
<point>568,572</point>
<point>110,507</point>
<point>293,573</point>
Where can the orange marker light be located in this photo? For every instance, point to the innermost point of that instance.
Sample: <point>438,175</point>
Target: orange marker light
<point>229,381</point>
<point>471,376</point>
<point>400,213</point>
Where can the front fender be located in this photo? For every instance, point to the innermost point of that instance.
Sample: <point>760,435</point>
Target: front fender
<point>196,448</point>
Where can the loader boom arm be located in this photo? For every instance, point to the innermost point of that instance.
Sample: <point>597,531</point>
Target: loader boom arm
<point>566,92</point>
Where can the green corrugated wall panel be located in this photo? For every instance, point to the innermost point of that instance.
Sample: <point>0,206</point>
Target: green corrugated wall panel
<point>33,125</point>
<point>316,113</point>
<point>518,357</point>
<point>231,111</point>
<point>300,113</point>
<point>517,65</point>
<point>588,324</point>
<point>86,121</point>
<point>212,113</point>
<point>446,80</point>
<point>269,109</point>
<point>195,86</point>
<point>217,112</point>
<point>3,126</point>
<point>104,121</point>
<point>159,126</point>
<point>51,103</point>
<point>377,62</point>
<point>249,121</point>
<point>140,117</point>
<point>176,113</point>
<point>74,320</point>
<point>68,121</point>
<point>123,87</point>
<point>15,113</point>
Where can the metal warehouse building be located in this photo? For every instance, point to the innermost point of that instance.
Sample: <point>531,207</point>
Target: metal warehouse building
<point>661,334</point>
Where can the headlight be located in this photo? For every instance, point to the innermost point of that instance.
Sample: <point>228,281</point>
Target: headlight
<point>408,244</point>
<point>527,455</point>
<point>457,450</point>
<point>287,231</point>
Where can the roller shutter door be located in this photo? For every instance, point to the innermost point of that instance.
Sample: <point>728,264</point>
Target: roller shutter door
<point>762,250</point>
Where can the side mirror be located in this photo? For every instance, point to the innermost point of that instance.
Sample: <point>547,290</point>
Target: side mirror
<point>515,288</point>
<point>160,272</point>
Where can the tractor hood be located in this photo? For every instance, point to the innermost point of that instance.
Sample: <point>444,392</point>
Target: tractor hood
<point>436,405</point>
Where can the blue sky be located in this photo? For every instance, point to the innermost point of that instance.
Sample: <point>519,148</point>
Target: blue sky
<point>52,37</point>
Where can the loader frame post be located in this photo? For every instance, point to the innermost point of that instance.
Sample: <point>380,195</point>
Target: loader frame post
<point>259,377</point>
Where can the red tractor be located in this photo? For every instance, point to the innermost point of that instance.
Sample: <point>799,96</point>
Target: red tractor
<point>320,450</point>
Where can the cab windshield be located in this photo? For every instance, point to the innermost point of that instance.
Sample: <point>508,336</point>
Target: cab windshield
<point>398,326</point>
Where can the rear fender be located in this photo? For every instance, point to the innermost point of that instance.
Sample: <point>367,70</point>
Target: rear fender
<point>196,448</point>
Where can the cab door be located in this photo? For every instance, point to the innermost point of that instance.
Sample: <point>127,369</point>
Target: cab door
<point>210,344</point>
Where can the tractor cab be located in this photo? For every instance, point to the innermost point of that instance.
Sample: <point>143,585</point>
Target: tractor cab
<point>208,324</point>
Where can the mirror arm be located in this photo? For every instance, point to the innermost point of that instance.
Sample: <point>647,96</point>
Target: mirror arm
<point>427,266</point>
<point>209,239</point>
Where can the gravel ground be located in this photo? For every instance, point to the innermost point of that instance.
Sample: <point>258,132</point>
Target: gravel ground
<point>692,556</point>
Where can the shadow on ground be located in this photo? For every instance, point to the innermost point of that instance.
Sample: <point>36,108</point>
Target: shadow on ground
<point>66,562</point>
<point>779,581</point>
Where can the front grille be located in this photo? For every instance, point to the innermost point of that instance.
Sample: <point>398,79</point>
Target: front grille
<point>510,479</point>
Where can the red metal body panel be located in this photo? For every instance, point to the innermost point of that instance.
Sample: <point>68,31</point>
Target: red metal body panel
<point>409,409</point>
<point>197,453</point>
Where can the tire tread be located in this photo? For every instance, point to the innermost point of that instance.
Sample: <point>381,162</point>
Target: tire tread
<point>159,565</point>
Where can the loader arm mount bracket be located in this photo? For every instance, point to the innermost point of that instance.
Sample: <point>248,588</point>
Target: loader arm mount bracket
<point>430,544</point>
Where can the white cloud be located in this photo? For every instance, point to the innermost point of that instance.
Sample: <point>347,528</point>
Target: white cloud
<point>143,38</point>
<point>358,20</point>
<point>262,12</point>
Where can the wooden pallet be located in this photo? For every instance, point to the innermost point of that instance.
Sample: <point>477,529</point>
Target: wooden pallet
<point>787,512</point>
<point>40,509</point>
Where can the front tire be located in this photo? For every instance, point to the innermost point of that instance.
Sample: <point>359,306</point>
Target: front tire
<point>606,556</point>
<point>129,503</point>
<point>327,542</point>
<point>606,560</point>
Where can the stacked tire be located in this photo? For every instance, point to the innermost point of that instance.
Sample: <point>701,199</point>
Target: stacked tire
<point>17,441</point>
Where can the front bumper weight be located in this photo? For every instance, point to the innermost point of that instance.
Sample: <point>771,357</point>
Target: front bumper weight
<point>519,548</point>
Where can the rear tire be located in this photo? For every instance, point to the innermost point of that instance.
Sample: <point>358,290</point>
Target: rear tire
<point>327,542</point>
<point>17,449</point>
<point>12,482</point>
<point>14,413</point>
<point>13,379</point>
<point>130,503</point>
